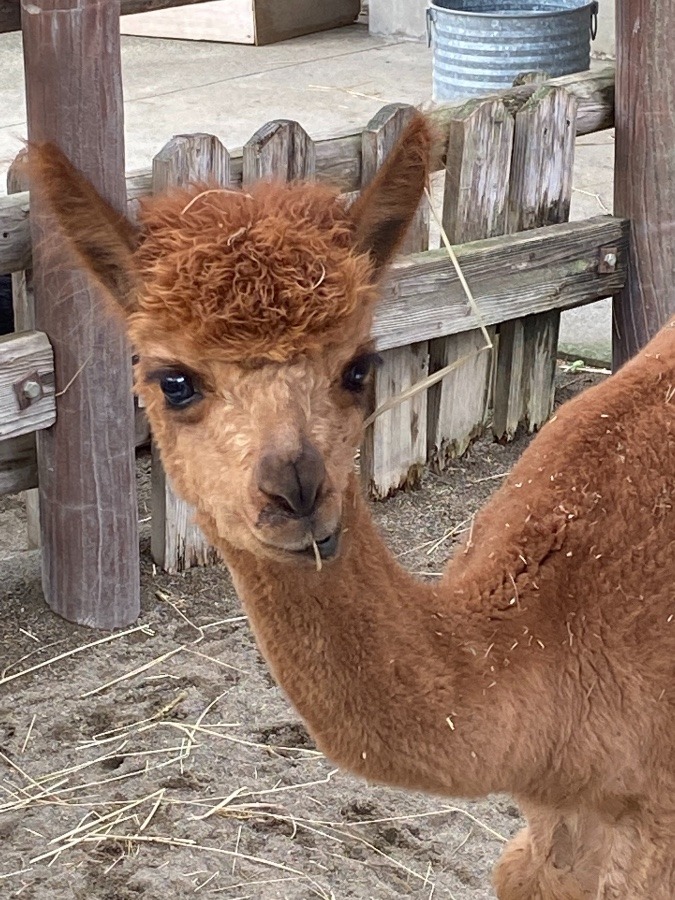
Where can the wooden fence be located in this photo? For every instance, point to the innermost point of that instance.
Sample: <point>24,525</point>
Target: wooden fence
<point>503,200</point>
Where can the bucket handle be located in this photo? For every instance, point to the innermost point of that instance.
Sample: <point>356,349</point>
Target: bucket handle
<point>594,19</point>
<point>431,21</point>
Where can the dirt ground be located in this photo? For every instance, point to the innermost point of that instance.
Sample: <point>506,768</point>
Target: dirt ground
<point>164,763</point>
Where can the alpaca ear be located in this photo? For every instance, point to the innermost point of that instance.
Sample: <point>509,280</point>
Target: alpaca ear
<point>384,210</point>
<point>103,240</point>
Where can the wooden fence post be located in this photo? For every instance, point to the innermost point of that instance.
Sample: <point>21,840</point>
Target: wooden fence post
<point>644,186</point>
<point>176,542</point>
<point>87,478</point>
<point>394,448</point>
<point>478,163</point>
<point>24,320</point>
<point>540,194</point>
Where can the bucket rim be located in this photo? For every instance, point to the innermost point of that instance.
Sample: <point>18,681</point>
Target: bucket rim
<point>520,14</point>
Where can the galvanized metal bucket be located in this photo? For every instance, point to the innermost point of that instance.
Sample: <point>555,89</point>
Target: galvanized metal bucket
<point>481,46</point>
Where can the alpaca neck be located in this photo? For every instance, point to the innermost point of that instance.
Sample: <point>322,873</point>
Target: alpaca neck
<point>366,654</point>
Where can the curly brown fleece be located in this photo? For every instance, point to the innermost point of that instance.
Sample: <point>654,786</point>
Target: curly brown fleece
<point>270,273</point>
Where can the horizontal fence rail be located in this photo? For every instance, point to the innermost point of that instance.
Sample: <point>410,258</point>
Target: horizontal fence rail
<point>511,276</point>
<point>338,159</point>
<point>27,401</point>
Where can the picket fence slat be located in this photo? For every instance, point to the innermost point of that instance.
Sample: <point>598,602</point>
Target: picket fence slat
<point>176,542</point>
<point>540,195</point>
<point>393,454</point>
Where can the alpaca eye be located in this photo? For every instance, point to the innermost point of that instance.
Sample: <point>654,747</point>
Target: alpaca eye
<point>355,376</point>
<point>178,389</point>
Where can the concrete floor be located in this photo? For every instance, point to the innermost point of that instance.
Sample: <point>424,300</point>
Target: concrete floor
<point>329,82</point>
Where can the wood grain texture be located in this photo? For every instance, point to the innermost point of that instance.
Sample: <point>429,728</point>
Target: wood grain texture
<point>338,159</point>
<point>282,150</point>
<point>176,542</point>
<point>21,355</point>
<point>18,465</point>
<point>644,188</point>
<point>15,240</point>
<point>458,411</point>
<point>189,159</point>
<point>90,559</point>
<point>540,194</point>
<point>393,454</point>
<point>543,160</point>
<point>557,267</point>
<point>10,10</point>
<point>478,162</point>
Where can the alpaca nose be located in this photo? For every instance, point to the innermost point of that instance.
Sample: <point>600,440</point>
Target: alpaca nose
<point>293,485</point>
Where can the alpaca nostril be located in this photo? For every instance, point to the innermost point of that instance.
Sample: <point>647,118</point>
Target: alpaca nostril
<point>292,485</point>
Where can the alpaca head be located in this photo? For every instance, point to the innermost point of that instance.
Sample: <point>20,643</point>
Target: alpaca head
<point>250,313</point>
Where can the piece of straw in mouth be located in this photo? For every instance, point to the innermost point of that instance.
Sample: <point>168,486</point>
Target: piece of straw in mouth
<point>317,555</point>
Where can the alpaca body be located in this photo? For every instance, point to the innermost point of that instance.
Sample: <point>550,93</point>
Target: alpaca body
<point>542,663</point>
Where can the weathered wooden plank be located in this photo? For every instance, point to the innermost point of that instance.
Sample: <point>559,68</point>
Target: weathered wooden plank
<point>394,447</point>
<point>480,141</point>
<point>281,149</point>
<point>338,159</point>
<point>543,160</point>
<point>26,384</point>
<point>478,161</point>
<point>460,408</point>
<point>511,276</point>
<point>24,320</point>
<point>10,10</point>
<point>190,159</point>
<point>22,281</point>
<point>644,185</point>
<point>18,465</point>
<point>540,194</point>
<point>15,242</point>
<point>175,541</point>
<point>89,521</point>
<point>393,452</point>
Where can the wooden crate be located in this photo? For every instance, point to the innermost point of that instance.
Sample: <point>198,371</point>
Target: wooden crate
<point>243,21</point>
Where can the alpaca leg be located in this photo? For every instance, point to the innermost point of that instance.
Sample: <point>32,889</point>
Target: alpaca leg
<point>523,873</point>
<point>641,862</point>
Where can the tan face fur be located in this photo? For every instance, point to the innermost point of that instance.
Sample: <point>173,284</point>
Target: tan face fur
<point>212,449</point>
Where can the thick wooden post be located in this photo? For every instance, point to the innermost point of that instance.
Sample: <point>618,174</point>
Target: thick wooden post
<point>89,530</point>
<point>645,169</point>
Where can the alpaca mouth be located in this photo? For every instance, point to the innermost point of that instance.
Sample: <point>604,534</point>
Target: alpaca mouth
<point>327,547</point>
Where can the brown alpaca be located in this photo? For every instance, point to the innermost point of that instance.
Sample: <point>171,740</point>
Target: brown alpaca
<point>543,663</point>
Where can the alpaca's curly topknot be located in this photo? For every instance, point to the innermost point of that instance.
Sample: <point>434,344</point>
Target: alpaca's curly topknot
<point>268,273</point>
